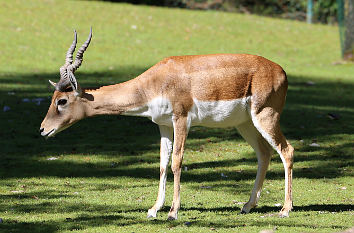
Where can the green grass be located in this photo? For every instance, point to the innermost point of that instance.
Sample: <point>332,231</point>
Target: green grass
<point>106,174</point>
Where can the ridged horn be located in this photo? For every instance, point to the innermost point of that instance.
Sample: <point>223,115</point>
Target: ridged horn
<point>67,77</point>
<point>80,54</point>
<point>64,79</point>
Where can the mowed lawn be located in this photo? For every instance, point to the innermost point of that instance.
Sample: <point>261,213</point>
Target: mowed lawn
<point>102,174</point>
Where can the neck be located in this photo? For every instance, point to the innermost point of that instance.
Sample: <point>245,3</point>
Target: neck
<point>115,99</point>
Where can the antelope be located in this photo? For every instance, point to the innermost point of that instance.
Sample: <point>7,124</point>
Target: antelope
<point>220,90</point>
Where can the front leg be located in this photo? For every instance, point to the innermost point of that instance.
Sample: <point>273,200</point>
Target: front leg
<point>180,135</point>
<point>165,153</point>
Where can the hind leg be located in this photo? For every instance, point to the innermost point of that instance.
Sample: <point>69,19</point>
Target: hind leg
<point>263,152</point>
<point>266,120</point>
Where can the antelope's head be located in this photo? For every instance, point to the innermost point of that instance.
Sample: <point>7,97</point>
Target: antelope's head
<point>67,106</point>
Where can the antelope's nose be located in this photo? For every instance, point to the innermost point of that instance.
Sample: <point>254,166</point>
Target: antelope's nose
<point>41,130</point>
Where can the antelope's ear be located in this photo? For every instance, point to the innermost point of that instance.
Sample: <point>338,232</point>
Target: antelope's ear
<point>52,83</point>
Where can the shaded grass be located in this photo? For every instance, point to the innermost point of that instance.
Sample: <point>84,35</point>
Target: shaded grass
<point>107,168</point>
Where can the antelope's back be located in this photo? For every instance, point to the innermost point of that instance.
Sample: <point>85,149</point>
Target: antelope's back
<point>224,76</point>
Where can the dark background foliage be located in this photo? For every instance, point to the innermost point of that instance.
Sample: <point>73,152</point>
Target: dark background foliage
<point>324,11</point>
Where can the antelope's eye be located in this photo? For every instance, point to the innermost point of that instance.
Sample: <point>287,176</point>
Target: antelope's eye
<point>62,102</point>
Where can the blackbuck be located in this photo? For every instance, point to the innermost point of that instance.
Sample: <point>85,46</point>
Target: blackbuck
<point>220,90</point>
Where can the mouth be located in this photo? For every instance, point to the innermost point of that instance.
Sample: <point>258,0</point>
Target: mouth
<point>49,134</point>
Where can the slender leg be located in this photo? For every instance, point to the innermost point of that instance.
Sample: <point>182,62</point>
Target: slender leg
<point>180,135</point>
<point>287,158</point>
<point>267,123</point>
<point>165,153</point>
<point>263,152</point>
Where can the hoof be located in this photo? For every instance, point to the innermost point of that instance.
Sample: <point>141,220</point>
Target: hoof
<point>243,212</point>
<point>284,214</point>
<point>151,213</point>
<point>247,208</point>
<point>172,216</point>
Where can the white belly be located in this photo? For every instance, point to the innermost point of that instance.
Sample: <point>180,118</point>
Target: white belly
<point>223,113</point>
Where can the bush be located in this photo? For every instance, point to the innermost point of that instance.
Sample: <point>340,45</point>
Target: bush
<point>324,11</point>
